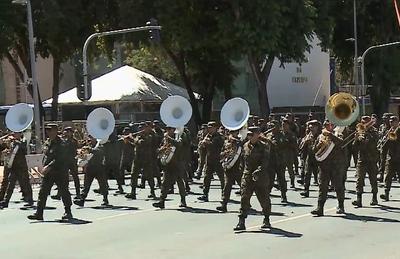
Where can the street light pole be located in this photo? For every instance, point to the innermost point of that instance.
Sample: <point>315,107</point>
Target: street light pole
<point>356,81</point>
<point>362,62</point>
<point>86,83</point>
<point>32,57</point>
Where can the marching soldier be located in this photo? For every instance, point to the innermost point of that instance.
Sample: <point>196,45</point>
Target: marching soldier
<point>71,145</point>
<point>289,150</point>
<point>276,165</point>
<point>18,171</point>
<point>94,169</point>
<point>146,146</point>
<point>306,147</point>
<point>391,155</point>
<point>383,129</point>
<point>55,172</point>
<point>330,169</point>
<point>127,153</point>
<point>255,178</point>
<point>170,154</point>
<point>112,152</point>
<point>365,143</point>
<point>232,164</point>
<point>201,151</point>
<point>212,143</point>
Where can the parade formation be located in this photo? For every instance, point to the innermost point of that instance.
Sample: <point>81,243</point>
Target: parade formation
<point>257,154</point>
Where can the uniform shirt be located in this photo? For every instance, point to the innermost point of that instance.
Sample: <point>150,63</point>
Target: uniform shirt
<point>19,159</point>
<point>55,157</point>
<point>229,150</point>
<point>98,158</point>
<point>391,149</point>
<point>214,147</point>
<point>178,144</point>
<point>367,147</point>
<point>256,157</point>
<point>71,147</point>
<point>276,139</point>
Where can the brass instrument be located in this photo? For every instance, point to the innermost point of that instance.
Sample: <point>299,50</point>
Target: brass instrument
<point>231,154</point>
<point>361,129</point>
<point>84,155</point>
<point>391,135</point>
<point>166,152</point>
<point>342,109</point>
<point>305,140</point>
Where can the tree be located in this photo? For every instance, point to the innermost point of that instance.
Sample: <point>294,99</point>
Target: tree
<point>377,24</point>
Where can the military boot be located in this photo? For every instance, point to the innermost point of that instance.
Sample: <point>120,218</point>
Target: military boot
<point>241,224</point>
<point>222,208</point>
<point>283,197</point>
<point>152,194</point>
<point>203,198</point>
<point>67,215</point>
<point>266,223</point>
<point>131,195</point>
<point>105,201</point>
<point>36,216</point>
<point>3,204</point>
<point>319,211</point>
<point>80,202</point>
<point>358,202</point>
<point>340,208</point>
<point>183,202</point>
<point>305,194</point>
<point>374,200</point>
<point>292,183</point>
<point>385,196</point>
<point>160,204</point>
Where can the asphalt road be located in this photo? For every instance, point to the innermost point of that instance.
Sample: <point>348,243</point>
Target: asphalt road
<point>134,229</point>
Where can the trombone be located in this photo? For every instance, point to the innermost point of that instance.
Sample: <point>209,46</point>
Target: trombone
<point>361,128</point>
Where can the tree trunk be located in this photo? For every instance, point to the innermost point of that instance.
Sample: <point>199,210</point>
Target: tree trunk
<point>208,100</point>
<point>179,63</point>
<point>55,89</point>
<point>227,92</point>
<point>261,76</point>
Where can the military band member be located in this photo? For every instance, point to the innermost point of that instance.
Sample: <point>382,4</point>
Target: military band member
<point>391,155</point>
<point>276,164</point>
<point>113,154</point>
<point>310,163</point>
<point>212,143</point>
<point>330,169</point>
<point>17,170</point>
<point>94,169</point>
<point>127,153</point>
<point>54,172</point>
<point>289,150</point>
<point>71,145</point>
<point>365,143</point>
<point>201,151</point>
<point>383,129</point>
<point>231,156</point>
<point>255,178</point>
<point>170,154</point>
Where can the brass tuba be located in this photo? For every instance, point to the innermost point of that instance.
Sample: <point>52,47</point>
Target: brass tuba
<point>342,109</point>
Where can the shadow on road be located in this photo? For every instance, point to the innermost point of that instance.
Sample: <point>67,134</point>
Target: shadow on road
<point>351,216</point>
<point>198,210</point>
<point>73,221</point>
<point>274,231</point>
<point>112,207</point>
<point>294,204</point>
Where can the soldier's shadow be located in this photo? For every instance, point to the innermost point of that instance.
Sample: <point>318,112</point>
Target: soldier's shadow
<point>113,207</point>
<point>296,205</point>
<point>274,231</point>
<point>351,216</point>
<point>73,221</point>
<point>198,210</point>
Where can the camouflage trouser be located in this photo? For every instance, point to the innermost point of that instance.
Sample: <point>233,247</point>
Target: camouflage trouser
<point>277,171</point>
<point>22,176</point>
<point>148,171</point>
<point>90,174</point>
<point>332,172</point>
<point>202,161</point>
<point>311,169</point>
<point>288,163</point>
<point>4,183</point>
<point>231,176</point>
<point>212,167</point>
<point>363,168</point>
<point>391,168</point>
<point>248,187</point>
<point>73,170</point>
<point>172,174</point>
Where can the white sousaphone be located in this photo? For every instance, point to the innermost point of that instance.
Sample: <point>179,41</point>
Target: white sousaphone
<point>100,125</point>
<point>234,116</point>
<point>19,119</point>
<point>175,112</point>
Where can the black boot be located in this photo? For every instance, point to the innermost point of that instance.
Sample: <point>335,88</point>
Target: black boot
<point>36,216</point>
<point>305,194</point>
<point>358,202</point>
<point>319,211</point>
<point>203,198</point>
<point>120,190</point>
<point>105,201</point>
<point>152,195</point>
<point>159,204</point>
<point>385,196</point>
<point>340,208</point>
<point>241,224</point>
<point>374,200</point>
<point>67,215</point>
<point>222,208</point>
<point>80,202</point>
<point>266,223</point>
<point>183,203</point>
<point>3,204</point>
<point>131,195</point>
<point>283,197</point>
<point>292,183</point>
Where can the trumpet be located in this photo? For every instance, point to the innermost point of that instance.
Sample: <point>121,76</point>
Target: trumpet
<point>305,140</point>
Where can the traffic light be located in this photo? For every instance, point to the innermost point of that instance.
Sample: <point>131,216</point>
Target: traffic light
<point>84,92</point>
<point>154,35</point>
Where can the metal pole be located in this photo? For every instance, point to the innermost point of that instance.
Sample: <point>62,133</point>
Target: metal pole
<point>356,81</point>
<point>102,34</point>
<point>36,107</point>
<point>362,62</point>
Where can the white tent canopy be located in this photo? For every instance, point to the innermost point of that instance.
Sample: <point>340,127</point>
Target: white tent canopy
<point>126,84</point>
